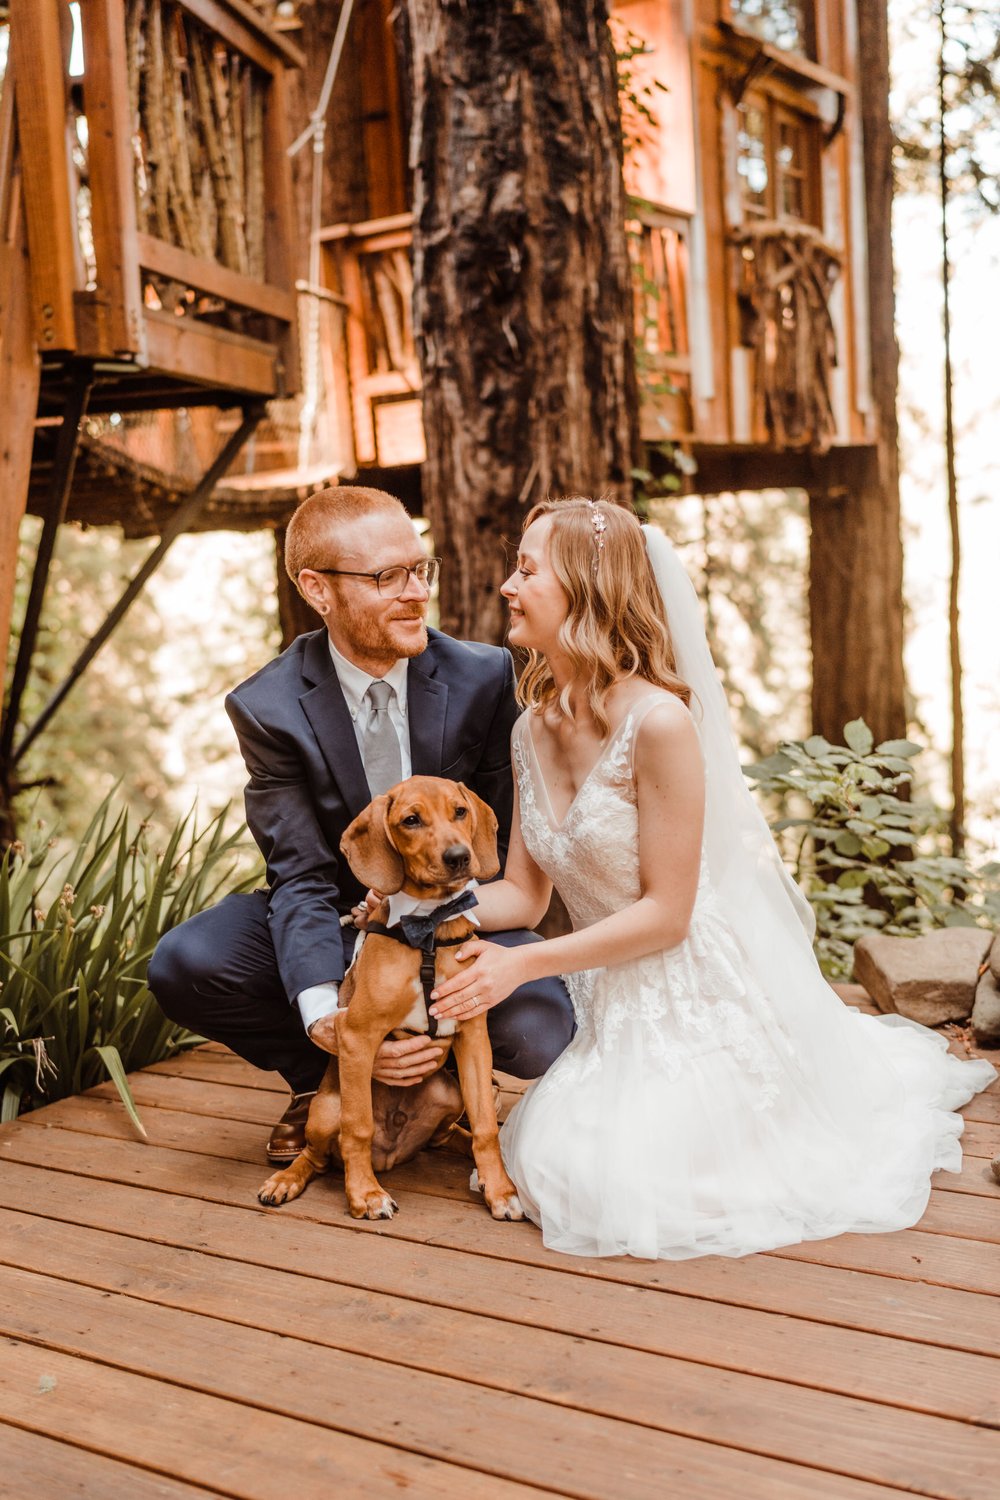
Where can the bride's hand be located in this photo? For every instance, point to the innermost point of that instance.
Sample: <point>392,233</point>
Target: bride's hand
<point>490,978</point>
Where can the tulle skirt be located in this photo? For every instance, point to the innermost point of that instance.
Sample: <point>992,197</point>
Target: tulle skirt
<point>649,1138</point>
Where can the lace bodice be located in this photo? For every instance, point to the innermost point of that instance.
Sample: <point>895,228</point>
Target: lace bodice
<point>689,999</point>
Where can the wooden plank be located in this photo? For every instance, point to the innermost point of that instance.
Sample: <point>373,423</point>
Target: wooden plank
<point>191,1436</point>
<point>37,58</point>
<point>564,1363</point>
<point>210,356</point>
<point>210,276</point>
<point>237,23</point>
<point>908,1255</point>
<point>253,40</point>
<point>525,1293</point>
<point>575,1453</point>
<point>152,1089</point>
<point>112,181</point>
<point>59,1469</point>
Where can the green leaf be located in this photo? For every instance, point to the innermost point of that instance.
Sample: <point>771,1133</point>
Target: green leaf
<point>816,746</point>
<point>847,843</point>
<point>901,748</point>
<point>859,737</point>
<point>111,1060</point>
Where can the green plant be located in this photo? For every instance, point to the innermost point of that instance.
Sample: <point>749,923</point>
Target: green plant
<point>868,858</point>
<point>77,929</point>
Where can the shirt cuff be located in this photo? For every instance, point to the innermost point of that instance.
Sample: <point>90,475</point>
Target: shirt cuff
<point>317,1001</point>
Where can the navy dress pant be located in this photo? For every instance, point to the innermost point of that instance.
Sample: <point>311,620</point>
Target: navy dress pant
<point>216,974</point>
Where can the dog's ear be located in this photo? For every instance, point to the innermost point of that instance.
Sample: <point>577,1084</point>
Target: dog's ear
<point>484,836</point>
<point>368,850</point>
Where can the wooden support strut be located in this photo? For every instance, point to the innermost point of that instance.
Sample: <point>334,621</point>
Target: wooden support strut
<point>185,514</point>
<point>55,511</point>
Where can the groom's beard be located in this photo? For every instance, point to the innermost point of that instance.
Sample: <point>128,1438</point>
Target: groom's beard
<point>381,636</point>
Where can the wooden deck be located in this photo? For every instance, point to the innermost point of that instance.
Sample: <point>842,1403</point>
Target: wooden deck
<point>163,1335</point>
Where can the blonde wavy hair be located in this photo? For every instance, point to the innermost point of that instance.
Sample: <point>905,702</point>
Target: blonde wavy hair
<point>616,627</point>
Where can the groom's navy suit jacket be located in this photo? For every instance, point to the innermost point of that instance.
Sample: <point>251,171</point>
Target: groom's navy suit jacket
<point>307,781</point>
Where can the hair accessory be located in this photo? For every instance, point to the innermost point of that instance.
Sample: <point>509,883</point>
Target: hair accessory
<point>599,521</point>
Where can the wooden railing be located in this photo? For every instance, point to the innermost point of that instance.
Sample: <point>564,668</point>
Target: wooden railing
<point>369,266</point>
<point>659,246</point>
<point>163,235</point>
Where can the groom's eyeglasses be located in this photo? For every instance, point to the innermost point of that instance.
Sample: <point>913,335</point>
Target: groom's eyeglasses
<point>391,582</point>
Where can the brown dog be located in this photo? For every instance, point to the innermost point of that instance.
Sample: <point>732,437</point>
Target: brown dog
<point>427,838</point>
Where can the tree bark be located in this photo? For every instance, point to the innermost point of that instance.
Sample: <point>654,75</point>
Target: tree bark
<point>295,616</point>
<point>523,298</point>
<point>856,567</point>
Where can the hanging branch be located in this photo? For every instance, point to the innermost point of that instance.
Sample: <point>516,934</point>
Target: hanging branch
<point>957,820</point>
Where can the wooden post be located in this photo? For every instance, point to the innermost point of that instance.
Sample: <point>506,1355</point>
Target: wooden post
<point>19,364</point>
<point>38,45</point>
<point>105,88</point>
<point>279,235</point>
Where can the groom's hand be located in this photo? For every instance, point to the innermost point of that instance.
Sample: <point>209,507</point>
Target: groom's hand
<point>399,1064</point>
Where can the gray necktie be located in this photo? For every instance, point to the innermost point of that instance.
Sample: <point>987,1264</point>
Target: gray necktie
<point>380,744</point>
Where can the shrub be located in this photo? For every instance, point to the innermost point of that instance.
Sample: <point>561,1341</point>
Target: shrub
<point>76,932</point>
<point>868,858</point>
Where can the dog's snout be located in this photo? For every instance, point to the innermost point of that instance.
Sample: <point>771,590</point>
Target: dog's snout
<point>457,857</point>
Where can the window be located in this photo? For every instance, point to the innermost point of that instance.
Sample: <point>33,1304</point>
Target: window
<point>751,161</point>
<point>777,161</point>
<point>786,23</point>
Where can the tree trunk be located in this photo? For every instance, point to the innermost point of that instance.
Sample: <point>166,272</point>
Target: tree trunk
<point>856,569</point>
<point>295,616</point>
<point>523,299</point>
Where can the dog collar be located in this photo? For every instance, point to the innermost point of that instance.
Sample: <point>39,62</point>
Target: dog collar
<point>401,905</point>
<point>418,930</point>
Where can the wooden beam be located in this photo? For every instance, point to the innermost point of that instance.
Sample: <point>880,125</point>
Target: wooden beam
<point>19,369</point>
<point>210,276</point>
<point>210,356</point>
<point>119,329</point>
<point>240,26</point>
<point>37,56</point>
<point>279,225</point>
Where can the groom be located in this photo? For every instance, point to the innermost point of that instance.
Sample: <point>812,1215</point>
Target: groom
<point>342,715</point>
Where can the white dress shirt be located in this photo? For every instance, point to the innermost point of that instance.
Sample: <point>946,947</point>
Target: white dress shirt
<point>321,999</point>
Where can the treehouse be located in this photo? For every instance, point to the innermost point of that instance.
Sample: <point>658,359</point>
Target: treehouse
<point>164,365</point>
<point>745,172</point>
<point>147,271</point>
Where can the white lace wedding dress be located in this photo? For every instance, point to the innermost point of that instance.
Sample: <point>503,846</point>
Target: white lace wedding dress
<point>687,1116</point>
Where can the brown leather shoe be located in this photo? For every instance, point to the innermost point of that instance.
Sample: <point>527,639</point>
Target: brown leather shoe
<point>288,1138</point>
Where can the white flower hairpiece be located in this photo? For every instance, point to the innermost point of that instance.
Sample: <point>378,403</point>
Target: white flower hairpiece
<point>599,521</point>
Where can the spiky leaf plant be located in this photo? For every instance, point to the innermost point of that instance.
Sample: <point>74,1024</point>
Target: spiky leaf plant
<point>77,929</point>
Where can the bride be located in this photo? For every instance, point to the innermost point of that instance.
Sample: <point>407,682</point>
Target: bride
<point>717,1098</point>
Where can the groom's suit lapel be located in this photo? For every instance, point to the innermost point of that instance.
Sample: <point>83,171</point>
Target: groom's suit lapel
<point>427,709</point>
<point>324,706</point>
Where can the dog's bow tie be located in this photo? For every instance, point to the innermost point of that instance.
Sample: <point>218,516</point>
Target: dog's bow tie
<point>419,930</point>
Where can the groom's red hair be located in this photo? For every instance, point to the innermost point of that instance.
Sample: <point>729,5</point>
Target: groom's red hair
<point>311,538</point>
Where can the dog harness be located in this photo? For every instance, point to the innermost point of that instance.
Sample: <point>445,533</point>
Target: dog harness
<point>420,932</point>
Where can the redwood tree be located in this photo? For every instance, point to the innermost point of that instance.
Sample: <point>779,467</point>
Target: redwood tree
<point>522,304</point>
<point>856,567</point>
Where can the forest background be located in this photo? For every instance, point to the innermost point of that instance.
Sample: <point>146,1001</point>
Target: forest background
<point>149,716</point>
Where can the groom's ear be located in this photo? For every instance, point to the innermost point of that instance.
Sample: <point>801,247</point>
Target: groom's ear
<point>484,836</point>
<point>370,852</point>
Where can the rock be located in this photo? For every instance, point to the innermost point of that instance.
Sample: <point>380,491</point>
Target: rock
<point>986,1011</point>
<point>930,978</point>
<point>995,957</point>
